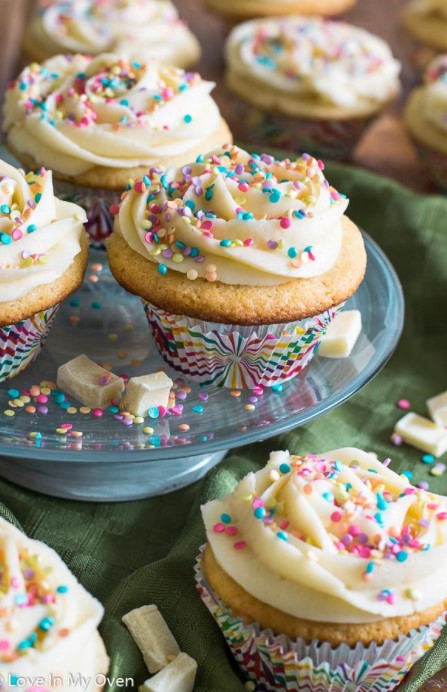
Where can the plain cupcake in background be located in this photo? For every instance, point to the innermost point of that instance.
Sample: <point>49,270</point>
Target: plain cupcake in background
<point>43,258</point>
<point>326,571</point>
<point>426,21</point>
<point>98,122</point>
<point>242,260</point>
<point>309,84</point>
<point>238,10</point>
<point>140,28</point>
<point>426,120</point>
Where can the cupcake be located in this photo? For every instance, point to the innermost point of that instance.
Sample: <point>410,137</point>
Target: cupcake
<point>307,83</point>
<point>242,261</point>
<point>326,571</point>
<point>426,120</point>
<point>43,257</point>
<point>238,10</point>
<point>98,122</point>
<point>49,625</point>
<point>141,29</point>
<point>426,21</point>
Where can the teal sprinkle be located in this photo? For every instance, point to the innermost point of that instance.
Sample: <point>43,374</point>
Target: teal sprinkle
<point>162,269</point>
<point>282,535</point>
<point>428,459</point>
<point>195,252</point>
<point>96,306</point>
<point>46,624</point>
<point>402,556</point>
<point>189,203</point>
<point>378,517</point>
<point>225,243</point>
<point>124,102</point>
<point>284,468</point>
<point>259,513</point>
<point>275,196</point>
<point>114,409</point>
<point>369,567</point>
<point>225,518</point>
<point>199,159</point>
<point>328,497</point>
<point>38,197</point>
<point>276,388</point>
<point>74,302</point>
<point>5,239</point>
<point>381,502</point>
<point>197,409</point>
<point>187,118</point>
<point>5,209</point>
<point>180,244</point>
<point>292,252</point>
<point>248,216</point>
<point>153,412</point>
<point>31,228</point>
<point>59,398</point>
<point>155,440</point>
<point>408,474</point>
<point>13,393</point>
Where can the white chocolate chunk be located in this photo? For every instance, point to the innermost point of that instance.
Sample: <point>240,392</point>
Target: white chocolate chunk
<point>423,434</point>
<point>147,391</point>
<point>178,676</point>
<point>90,384</point>
<point>152,636</point>
<point>437,408</point>
<point>341,335</point>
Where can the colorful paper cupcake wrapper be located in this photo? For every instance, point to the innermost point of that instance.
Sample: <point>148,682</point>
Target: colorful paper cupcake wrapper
<point>278,663</point>
<point>97,205</point>
<point>236,356</point>
<point>329,138</point>
<point>20,343</point>
<point>435,162</point>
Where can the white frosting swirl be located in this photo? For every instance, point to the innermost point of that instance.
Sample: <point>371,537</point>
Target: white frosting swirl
<point>434,92</point>
<point>73,112</point>
<point>333,538</point>
<point>135,28</point>
<point>238,218</point>
<point>39,234</point>
<point>49,621</point>
<point>301,58</point>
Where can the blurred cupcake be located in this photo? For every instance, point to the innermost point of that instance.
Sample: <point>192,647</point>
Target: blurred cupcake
<point>426,21</point>
<point>238,10</point>
<point>242,260</point>
<point>99,122</point>
<point>43,257</point>
<point>326,571</point>
<point>311,84</point>
<point>139,29</point>
<point>426,121</point>
<point>49,621</point>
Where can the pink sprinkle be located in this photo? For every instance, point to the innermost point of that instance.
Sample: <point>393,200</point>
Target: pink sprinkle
<point>409,491</point>
<point>391,598</point>
<point>243,187</point>
<point>42,399</point>
<point>248,242</point>
<point>162,410</point>
<point>258,391</point>
<point>15,582</point>
<point>404,404</point>
<point>215,159</point>
<point>114,209</point>
<point>231,531</point>
<point>207,225</point>
<point>149,237</point>
<point>48,598</point>
<point>284,524</point>
<point>219,528</point>
<point>4,644</point>
<point>258,502</point>
<point>285,222</point>
<point>66,426</point>
<point>441,516</point>
<point>239,545</point>
<point>401,659</point>
<point>17,234</point>
<point>97,412</point>
<point>354,530</point>
<point>336,516</point>
<point>139,186</point>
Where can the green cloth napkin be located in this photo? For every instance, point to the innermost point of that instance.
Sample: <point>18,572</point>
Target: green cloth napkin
<point>132,554</point>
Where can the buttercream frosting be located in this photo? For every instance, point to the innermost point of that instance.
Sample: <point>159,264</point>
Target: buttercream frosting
<point>39,234</point>
<point>337,537</point>
<point>48,624</point>
<point>138,28</point>
<point>301,58</point>
<point>73,113</point>
<point>239,218</point>
<point>434,92</point>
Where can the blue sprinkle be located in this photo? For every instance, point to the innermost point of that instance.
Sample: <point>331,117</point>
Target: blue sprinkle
<point>198,408</point>
<point>162,269</point>
<point>284,468</point>
<point>282,535</point>
<point>259,513</point>
<point>153,412</point>
<point>225,518</point>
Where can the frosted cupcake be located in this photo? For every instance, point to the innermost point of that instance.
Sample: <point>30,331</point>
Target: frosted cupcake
<point>307,83</point>
<point>238,10</point>
<point>141,29</point>
<point>426,21</point>
<point>326,571</point>
<point>426,120</point>
<point>43,257</point>
<point>98,122</point>
<point>49,621</point>
<point>242,262</point>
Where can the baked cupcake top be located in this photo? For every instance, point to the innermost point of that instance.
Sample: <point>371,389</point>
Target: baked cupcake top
<point>235,217</point>
<point>434,100</point>
<point>429,7</point>
<point>39,234</point>
<point>139,28</point>
<point>75,113</point>
<point>300,58</point>
<point>48,619</point>
<point>337,537</point>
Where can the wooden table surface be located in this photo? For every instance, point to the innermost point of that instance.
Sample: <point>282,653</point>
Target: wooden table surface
<point>385,148</point>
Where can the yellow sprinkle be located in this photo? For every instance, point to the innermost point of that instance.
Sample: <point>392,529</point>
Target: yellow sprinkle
<point>177,258</point>
<point>25,398</point>
<point>128,328</point>
<point>72,410</point>
<point>249,407</point>
<point>192,274</point>
<point>61,431</point>
<point>112,337</point>
<point>122,354</point>
<point>9,413</point>
<point>148,430</point>
<point>138,420</point>
<point>85,409</point>
<point>45,390</point>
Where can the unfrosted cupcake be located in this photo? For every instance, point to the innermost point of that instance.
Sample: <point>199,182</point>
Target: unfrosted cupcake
<point>98,122</point>
<point>308,83</point>
<point>326,571</point>
<point>426,20</point>
<point>238,10</point>
<point>142,29</point>
<point>49,622</point>
<point>242,261</point>
<point>43,257</point>
<point>426,120</point>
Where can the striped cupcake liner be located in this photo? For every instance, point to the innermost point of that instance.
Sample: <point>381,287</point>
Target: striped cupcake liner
<point>97,205</point>
<point>20,343</point>
<point>236,356</point>
<point>278,663</point>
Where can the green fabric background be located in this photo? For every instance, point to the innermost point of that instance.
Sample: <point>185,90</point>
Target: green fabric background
<point>143,552</point>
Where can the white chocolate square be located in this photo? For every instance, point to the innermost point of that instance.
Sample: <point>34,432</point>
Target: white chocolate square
<point>152,636</point>
<point>341,335</point>
<point>437,408</point>
<point>147,391</point>
<point>178,676</point>
<point>90,384</point>
<point>423,434</point>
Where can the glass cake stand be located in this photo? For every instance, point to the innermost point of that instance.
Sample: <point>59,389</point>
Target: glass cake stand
<point>116,462</point>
